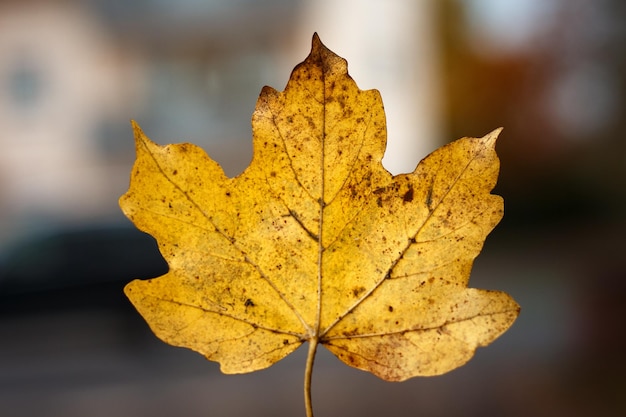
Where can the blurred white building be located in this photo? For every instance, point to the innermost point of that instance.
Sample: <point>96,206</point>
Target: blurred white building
<point>60,75</point>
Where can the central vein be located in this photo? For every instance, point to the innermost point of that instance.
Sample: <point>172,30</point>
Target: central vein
<point>320,247</point>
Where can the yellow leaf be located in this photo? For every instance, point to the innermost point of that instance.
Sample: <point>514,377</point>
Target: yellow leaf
<point>315,241</point>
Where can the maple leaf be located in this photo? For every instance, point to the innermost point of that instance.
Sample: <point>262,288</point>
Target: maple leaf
<point>315,241</point>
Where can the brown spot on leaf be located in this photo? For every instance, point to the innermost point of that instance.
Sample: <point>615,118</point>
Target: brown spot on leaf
<point>408,196</point>
<point>357,291</point>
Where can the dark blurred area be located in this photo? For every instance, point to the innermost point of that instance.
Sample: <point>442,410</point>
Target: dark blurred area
<point>551,72</point>
<point>72,270</point>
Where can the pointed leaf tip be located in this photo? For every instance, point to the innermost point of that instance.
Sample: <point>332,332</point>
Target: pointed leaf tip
<point>316,45</point>
<point>327,59</point>
<point>136,129</point>
<point>491,137</point>
<point>316,41</point>
<point>138,133</point>
<point>319,49</point>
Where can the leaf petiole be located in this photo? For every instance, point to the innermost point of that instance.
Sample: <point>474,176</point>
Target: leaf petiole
<point>308,372</point>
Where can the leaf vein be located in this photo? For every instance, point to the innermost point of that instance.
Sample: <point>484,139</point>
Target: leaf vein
<point>402,253</point>
<point>263,275</point>
<point>233,317</point>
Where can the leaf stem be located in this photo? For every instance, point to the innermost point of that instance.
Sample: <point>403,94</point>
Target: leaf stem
<point>308,372</point>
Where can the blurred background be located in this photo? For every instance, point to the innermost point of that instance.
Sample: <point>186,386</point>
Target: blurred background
<point>72,74</point>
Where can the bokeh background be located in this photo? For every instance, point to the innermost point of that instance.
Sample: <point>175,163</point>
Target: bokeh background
<point>72,74</point>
